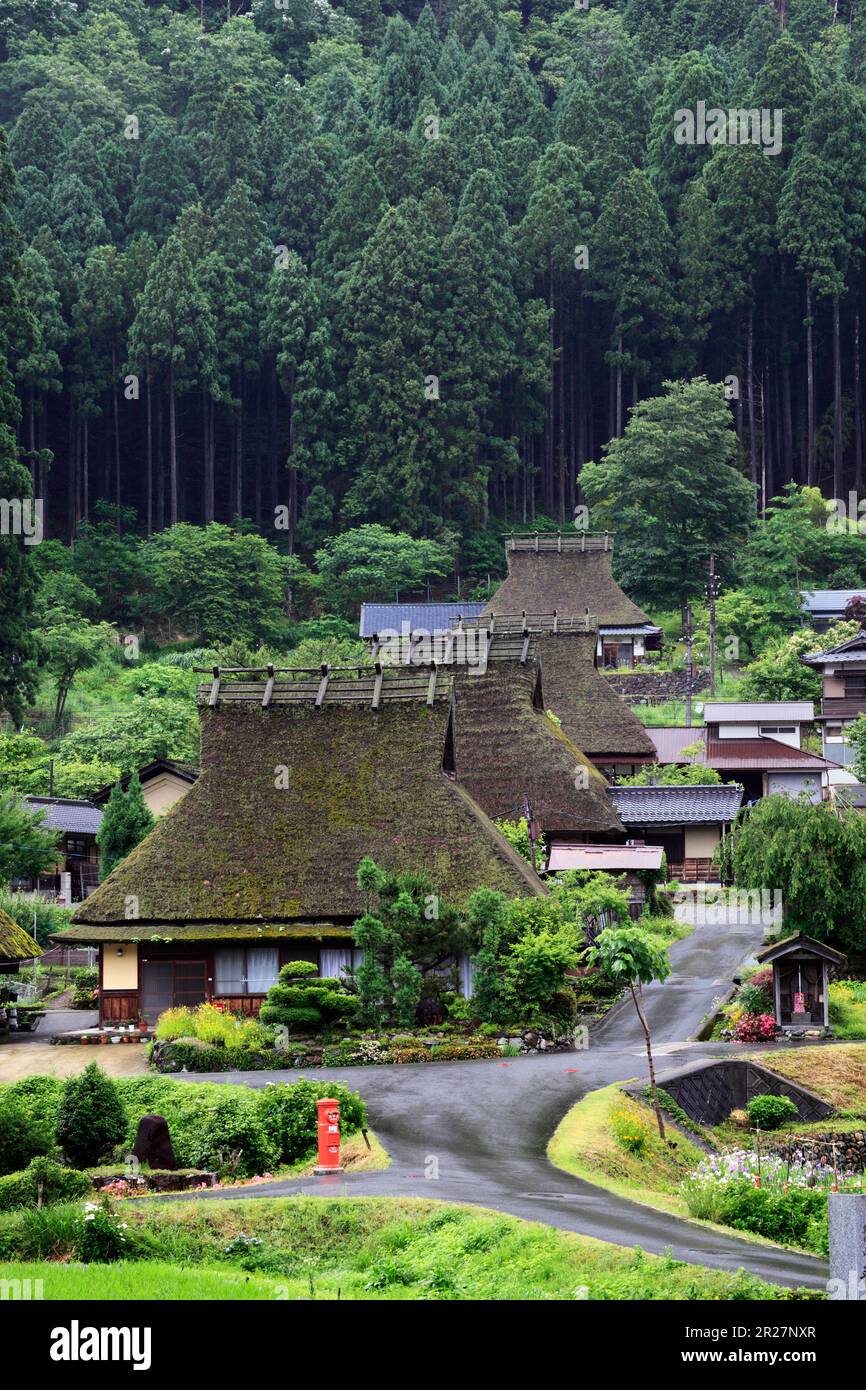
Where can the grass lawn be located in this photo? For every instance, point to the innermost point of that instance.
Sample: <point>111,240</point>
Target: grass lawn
<point>152,1280</point>
<point>358,1248</point>
<point>836,1073</point>
<point>584,1144</point>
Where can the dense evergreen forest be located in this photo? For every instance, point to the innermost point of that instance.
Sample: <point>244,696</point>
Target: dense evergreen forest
<point>327,258</point>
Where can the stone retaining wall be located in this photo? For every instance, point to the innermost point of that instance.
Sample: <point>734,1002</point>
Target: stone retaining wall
<point>709,1091</point>
<point>841,1151</point>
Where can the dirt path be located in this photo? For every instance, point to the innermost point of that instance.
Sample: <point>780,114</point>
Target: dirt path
<point>44,1059</point>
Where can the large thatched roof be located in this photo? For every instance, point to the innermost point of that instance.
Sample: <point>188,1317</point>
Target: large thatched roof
<point>15,943</point>
<point>570,573</point>
<point>508,751</point>
<point>293,793</point>
<point>592,715</point>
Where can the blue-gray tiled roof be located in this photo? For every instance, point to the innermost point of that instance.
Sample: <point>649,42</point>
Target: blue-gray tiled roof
<point>421,617</point>
<point>72,817</point>
<point>695,805</point>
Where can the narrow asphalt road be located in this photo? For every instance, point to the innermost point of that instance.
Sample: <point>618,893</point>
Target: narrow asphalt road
<point>477,1131</point>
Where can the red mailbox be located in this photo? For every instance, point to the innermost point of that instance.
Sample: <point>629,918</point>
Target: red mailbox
<point>329,1136</point>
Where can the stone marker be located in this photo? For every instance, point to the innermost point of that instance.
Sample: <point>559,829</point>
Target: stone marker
<point>153,1142</point>
<point>847,1246</point>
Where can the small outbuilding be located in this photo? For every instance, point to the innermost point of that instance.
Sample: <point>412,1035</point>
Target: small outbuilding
<point>800,982</point>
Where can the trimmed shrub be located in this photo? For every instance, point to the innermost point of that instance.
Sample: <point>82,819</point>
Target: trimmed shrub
<point>42,1183</point>
<point>290,1117</point>
<point>301,1000</point>
<point>771,1112</point>
<point>91,1119</point>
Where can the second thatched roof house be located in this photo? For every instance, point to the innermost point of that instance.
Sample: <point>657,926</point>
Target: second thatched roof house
<point>570,573</point>
<point>257,864</point>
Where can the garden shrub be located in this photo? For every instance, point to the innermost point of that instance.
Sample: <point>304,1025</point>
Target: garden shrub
<point>795,1217</point>
<point>91,1118</point>
<point>302,1000</point>
<point>754,999</point>
<point>28,1117</point>
<point>102,1237</point>
<point>227,1134</point>
<point>771,1112</point>
<point>756,1028</point>
<point>43,1182</point>
<point>289,1115</point>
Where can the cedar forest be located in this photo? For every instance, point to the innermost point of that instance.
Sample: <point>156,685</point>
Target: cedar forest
<point>300,272</point>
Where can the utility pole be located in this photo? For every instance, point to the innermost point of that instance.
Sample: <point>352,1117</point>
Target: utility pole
<point>713,587</point>
<point>531,830</point>
<point>687,635</point>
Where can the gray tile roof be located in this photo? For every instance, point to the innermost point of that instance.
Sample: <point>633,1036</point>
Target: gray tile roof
<point>72,817</point>
<point>828,600</point>
<point>694,805</point>
<point>421,617</point>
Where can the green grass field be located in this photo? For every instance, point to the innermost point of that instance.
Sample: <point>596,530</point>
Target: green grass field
<point>359,1249</point>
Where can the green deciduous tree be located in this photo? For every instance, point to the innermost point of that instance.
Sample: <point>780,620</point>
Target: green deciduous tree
<point>26,848</point>
<point>628,957</point>
<point>671,491</point>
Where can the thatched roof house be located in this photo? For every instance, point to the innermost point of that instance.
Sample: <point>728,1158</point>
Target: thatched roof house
<point>591,714</point>
<point>570,573</point>
<point>257,863</point>
<point>15,944</point>
<point>511,756</point>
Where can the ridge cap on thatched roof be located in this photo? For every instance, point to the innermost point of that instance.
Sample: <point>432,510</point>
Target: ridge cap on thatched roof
<point>570,572</point>
<point>374,685</point>
<point>15,942</point>
<point>538,541</point>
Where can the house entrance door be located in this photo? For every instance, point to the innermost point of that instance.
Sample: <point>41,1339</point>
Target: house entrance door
<point>169,984</point>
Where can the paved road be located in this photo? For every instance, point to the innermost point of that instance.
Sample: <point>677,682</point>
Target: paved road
<point>478,1131</point>
<point>703,966</point>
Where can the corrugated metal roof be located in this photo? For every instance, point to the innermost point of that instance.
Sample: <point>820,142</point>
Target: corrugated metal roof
<point>760,754</point>
<point>758,711</point>
<point>677,805</point>
<point>73,817</point>
<point>670,741</point>
<point>613,858</point>
<point>420,617</point>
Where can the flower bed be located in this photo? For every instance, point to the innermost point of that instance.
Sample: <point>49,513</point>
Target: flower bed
<point>781,1198</point>
<point>192,1054</point>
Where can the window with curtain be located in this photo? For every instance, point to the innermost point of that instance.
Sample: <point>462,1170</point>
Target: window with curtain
<point>245,971</point>
<point>263,967</point>
<point>334,963</point>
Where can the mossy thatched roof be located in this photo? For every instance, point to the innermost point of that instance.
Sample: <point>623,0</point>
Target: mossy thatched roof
<point>508,751</point>
<point>289,800</point>
<point>15,943</point>
<point>562,575</point>
<point>203,931</point>
<point>593,716</point>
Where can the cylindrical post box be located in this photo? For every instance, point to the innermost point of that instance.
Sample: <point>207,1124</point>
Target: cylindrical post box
<point>329,1136</point>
